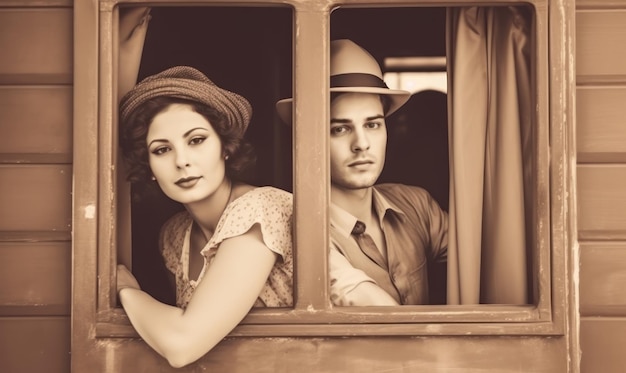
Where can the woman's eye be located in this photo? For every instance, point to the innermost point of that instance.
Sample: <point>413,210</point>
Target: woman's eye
<point>372,125</point>
<point>160,150</point>
<point>197,140</point>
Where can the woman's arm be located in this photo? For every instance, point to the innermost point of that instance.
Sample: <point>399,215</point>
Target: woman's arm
<point>224,296</point>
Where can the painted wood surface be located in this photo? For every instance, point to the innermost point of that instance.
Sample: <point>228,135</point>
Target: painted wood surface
<point>311,355</point>
<point>603,279</point>
<point>36,70</point>
<point>35,344</point>
<point>43,53</point>
<point>36,197</point>
<point>601,149</point>
<point>602,342</point>
<point>36,120</point>
<point>601,123</point>
<point>35,278</point>
<point>602,201</point>
<point>600,40</point>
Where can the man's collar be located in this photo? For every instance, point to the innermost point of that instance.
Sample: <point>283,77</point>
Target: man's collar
<point>343,221</point>
<point>383,205</point>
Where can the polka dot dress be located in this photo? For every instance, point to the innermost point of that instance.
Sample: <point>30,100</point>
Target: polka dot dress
<point>269,207</point>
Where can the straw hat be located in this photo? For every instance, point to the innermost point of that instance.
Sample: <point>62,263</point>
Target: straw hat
<point>352,69</point>
<point>188,83</point>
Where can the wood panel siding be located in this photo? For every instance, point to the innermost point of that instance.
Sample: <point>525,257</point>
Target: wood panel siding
<point>35,344</point>
<point>600,41</point>
<point>35,278</point>
<point>42,54</point>
<point>601,179</point>
<point>603,279</point>
<point>35,197</point>
<point>602,201</point>
<point>36,124</point>
<point>36,73</point>
<point>601,123</point>
<point>602,341</point>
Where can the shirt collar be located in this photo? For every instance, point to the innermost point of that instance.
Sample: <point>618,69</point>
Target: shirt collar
<point>343,221</point>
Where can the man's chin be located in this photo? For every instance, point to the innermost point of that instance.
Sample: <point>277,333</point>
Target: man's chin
<point>355,185</point>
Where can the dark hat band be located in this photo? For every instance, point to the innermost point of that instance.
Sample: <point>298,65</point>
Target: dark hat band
<point>356,80</point>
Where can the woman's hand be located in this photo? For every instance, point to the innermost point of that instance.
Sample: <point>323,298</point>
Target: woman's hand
<point>125,279</point>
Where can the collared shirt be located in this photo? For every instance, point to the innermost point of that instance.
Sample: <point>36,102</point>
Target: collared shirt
<point>415,230</point>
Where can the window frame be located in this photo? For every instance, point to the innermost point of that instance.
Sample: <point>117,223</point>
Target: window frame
<point>99,204</point>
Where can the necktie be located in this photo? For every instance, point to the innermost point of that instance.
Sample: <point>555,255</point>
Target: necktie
<point>367,244</point>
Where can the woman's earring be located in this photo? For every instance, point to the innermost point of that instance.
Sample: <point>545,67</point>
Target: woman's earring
<point>153,178</point>
<point>226,157</point>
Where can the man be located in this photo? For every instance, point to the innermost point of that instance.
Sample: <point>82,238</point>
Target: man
<point>382,236</point>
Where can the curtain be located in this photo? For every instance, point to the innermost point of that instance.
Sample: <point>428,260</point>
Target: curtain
<point>133,26</point>
<point>489,110</point>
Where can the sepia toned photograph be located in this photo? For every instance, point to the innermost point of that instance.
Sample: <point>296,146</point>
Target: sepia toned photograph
<point>312,185</point>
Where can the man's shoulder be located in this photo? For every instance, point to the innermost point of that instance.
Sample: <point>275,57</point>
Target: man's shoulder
<point>404,196</point>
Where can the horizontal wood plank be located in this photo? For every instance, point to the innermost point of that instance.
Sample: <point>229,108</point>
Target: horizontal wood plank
<point>600,41</point>
<point>43,50</point>
<point>600,4</point>
<point>36,275</point>
<point>601,202</point>
<point>36,119</point>
<point>35,344</point>
<point>35,198</point>
<point>601,126</point>
<point>602,344</point>
<point>311,355</point>
<point>603,279</point>
<point>35,3</point>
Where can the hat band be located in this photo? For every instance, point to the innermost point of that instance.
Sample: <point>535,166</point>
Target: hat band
<point>356,80</point>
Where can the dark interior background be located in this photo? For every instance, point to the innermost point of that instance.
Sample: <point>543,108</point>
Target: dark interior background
<point>249,51</point>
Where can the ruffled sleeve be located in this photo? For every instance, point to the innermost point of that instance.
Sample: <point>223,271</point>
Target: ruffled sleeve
<point>269,207</point>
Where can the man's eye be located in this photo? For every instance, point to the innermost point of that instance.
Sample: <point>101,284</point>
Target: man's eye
<point>338,130</point>
<point>197,140</point>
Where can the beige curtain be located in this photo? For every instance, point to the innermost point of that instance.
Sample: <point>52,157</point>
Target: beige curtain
<point>133,26</point>
<point>489,108</point>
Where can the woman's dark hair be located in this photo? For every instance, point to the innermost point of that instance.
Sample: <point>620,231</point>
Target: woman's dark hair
<point>133,133</point>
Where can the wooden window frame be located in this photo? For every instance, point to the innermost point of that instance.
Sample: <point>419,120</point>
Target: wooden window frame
<point>98,206</point>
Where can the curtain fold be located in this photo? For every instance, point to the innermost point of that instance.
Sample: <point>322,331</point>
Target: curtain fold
<point>133,26</point>
<point>489,111</point>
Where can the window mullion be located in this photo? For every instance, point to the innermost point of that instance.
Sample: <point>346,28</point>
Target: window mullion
<point>311,176</point>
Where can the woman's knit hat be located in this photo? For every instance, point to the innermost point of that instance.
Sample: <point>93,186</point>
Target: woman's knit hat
<point>188,83</point>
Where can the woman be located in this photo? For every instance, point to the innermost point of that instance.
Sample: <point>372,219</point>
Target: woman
<point>231,248</point>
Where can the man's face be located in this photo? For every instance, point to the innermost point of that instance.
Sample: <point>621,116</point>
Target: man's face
<point>358,140</point>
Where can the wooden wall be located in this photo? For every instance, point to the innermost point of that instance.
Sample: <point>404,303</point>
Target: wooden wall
<point>35,185</point>
<point>601,149</point>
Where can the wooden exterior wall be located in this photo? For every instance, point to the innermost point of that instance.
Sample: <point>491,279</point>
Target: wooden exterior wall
<point>36,68</point>
<point>36,129</point>
<point>601,147</point>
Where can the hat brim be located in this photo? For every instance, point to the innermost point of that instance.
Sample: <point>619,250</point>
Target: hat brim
<point>397,99</point>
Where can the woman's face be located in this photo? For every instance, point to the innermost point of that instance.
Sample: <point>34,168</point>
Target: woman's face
<point>185,154</point>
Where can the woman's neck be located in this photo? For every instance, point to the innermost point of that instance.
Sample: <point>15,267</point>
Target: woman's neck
<point>207,212</point>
